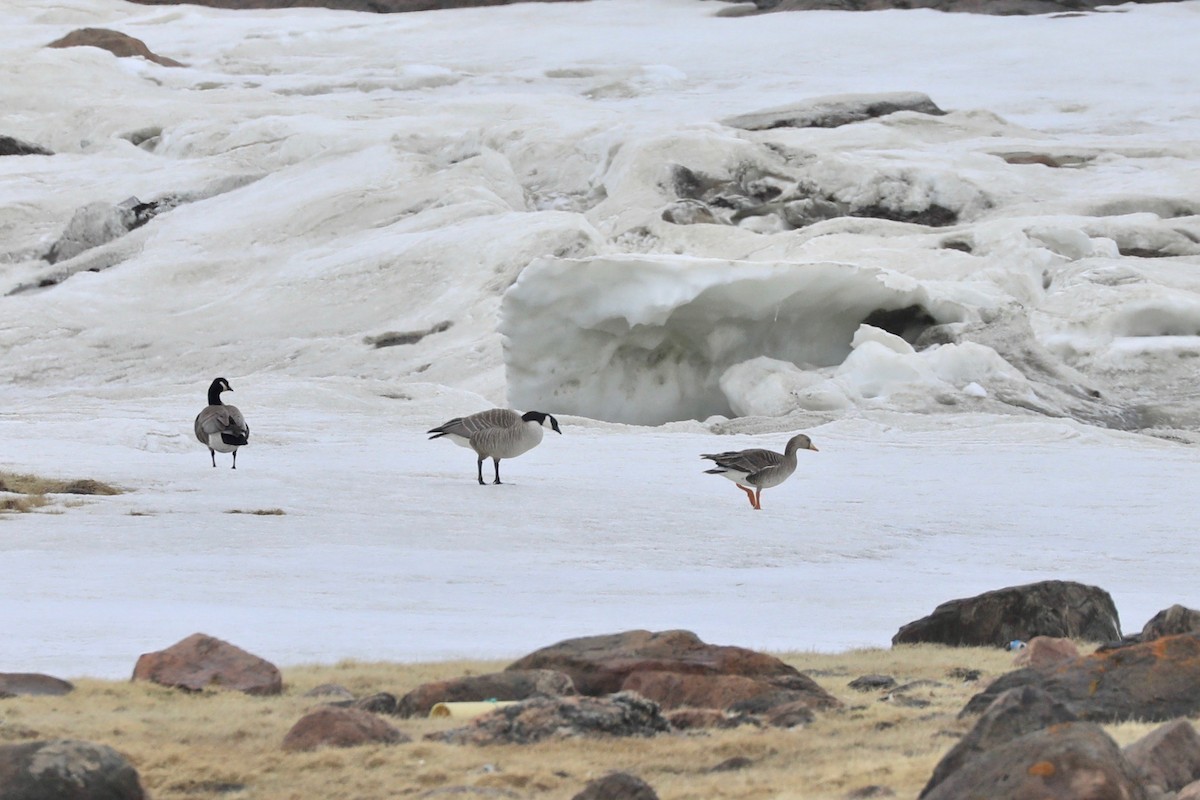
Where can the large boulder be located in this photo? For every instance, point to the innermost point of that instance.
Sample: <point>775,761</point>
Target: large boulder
<point>1168,757</point>
<point>332,726</point>
<point>509,685</point>
<point>529,721</point>
<point>201,662</point>
<point>119,44</point>
<point>1049,608</point>
<point>673,690</point>
<point>66,769</point>
<point>1014,714</point>
<point>32,683</point>
<point>1070,761</point>
<point>1169,622</point>
<point>1153,681</point>
<point>600,664</point>
<point>10,146</point>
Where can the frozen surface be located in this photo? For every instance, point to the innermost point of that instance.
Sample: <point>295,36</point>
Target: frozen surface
<point>988,321</point>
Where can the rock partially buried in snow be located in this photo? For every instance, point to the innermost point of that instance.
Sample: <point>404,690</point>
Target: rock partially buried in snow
<point>834,111</point>
<point>119,44</point>
<point>201,662</point>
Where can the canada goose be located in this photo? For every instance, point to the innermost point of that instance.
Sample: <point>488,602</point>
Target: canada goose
<point>496,434</point>
<point>761,469</point>
<point>221,427</point>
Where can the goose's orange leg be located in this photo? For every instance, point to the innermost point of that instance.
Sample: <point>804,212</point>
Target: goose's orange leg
<point>749,494</point>
<point>758,497</point>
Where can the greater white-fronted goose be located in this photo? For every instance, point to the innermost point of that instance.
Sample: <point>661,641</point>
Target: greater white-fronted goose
<point>759,468</point>
<point>496,434</point>
<point>220,427</point>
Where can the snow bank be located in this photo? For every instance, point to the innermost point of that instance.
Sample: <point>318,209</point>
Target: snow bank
<point>647,339</point>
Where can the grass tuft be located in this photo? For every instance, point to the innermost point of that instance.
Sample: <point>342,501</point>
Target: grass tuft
<point>260,512</point>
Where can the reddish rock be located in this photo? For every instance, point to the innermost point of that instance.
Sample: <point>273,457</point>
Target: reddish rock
<point>1014,714</point>
<point>1189,792</point>
<point>509,685</point>
<point>1169,756</point>
<point>200,662</point>
<point>673,690</point>
<point>1042,651</point>
<point>66,769</point>
<point>688,719</point>
<point>119,44</point>
<point>599,665</point>
<point>1153,681</point>
<point>529,721</point>
<point>1070,761</point>
<point>32,683</point>
<point>333,726</point>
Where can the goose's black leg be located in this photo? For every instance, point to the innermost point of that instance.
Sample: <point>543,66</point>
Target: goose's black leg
<point>496,463</point>
<point>213,454</point>
<point>480,465</point>
<point>235,458</point>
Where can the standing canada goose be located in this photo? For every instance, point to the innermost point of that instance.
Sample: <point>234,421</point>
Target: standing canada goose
<point>221,427</point>
<point>496,434</point>
<point>761,469</point>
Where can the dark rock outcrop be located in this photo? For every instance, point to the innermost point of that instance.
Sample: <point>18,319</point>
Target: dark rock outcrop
<point>66,769</point>
<point>617,786</point>
<point>32,683</point>
<point>340,727</point>
<point>1169,622</point>
<point>509,685</point>
<point>1049,608</point>
<point>10,146</point>
<point>600,664</point>
<point>834,111</point>
<point>201,662</point>
<point>374,6</point>
<point>1153,681</point>
<point>535,720</point>
<point>1070,761</point>
<point>1014,714</point>
<point>119,44</point>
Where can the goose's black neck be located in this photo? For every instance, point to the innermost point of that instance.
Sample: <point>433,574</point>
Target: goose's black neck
<point>214,392</point>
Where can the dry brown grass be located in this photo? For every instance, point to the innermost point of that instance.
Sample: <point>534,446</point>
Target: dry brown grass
<point>206,746</point>
<point>259,512</point>
<point>33,490</point>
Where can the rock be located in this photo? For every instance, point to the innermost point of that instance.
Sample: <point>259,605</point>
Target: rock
<point>1152,681</point>
<point>1189,792</point>
<point>1043,651</point>
<point>99,223</point>
<point>617,786</point>
<point>340,727</point>
<point>66,769</point>
<point>834,111</point>
<point>1012,715</point>
<point>31,683</point>
<point>332,692</point>
<point>790,715</point>
<point>1170,621</point>
<point>872,683</point>
<point>119,44</point>
<point>1069,761</point>
<point>600,664</point>
<point>674,690</point>
<point>1048,608</point>
<point>1168,757</point>
<point>373,6</point>
<point>733,763</point>
<point>201,662</point>
<point>873,790</point>
<point>508,685</point>
<point>996,7</point>
<point>15,147</point>
<point>691,719</point>
<point>378,703</point>
<point>542,718</point>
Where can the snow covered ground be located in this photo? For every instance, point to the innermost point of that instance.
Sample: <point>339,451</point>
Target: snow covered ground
<point>506,170</point>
